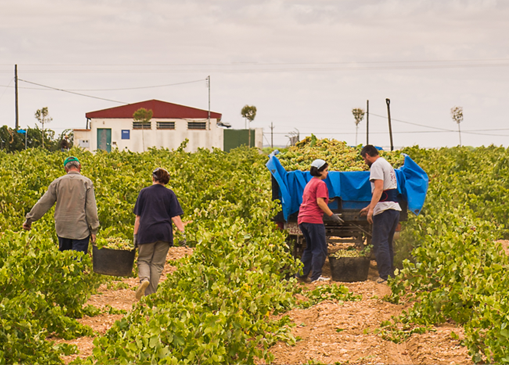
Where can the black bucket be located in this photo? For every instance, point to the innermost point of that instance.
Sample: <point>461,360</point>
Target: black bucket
<point>349,269</point>
<point>113,262</point>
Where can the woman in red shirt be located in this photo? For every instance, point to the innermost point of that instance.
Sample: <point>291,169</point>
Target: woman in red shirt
<point>314,205</point>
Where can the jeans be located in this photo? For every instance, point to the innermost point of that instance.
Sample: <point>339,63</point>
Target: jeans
<point>384,226</point>
<point>65,244</point>
<point>315,253</point>
<point>151,260</point>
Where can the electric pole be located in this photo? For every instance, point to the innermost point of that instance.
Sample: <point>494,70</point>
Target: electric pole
<point>367,122</point>
<point>388,101</point>
<point>271,135</point>
<point>208,118</point>
<point>16,95</point>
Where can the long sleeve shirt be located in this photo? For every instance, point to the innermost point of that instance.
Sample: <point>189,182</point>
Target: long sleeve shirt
<point>76,211</point>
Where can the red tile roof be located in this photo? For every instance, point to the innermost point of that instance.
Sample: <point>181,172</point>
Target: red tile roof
<point>160,109</point>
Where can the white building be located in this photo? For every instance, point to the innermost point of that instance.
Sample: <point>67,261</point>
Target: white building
<point>170,125</point>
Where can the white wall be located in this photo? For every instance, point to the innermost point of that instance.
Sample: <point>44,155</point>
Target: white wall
<point>142,139</point>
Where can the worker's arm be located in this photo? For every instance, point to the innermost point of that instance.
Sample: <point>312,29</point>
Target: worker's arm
<point>377,193</point>
<point>178,223</point>
<point>323,206</point>
<point>41,207</point>
<point>91,213</point>
<point>136,224</point>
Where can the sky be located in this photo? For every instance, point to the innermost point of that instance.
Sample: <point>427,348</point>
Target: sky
<point>304,64</point>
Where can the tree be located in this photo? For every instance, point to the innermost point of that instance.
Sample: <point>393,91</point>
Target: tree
<point>42,116</point>
<point>457,116</point>
<point>249,113</point>
<point>11,140</point>
<point>143,116</point>
<point>358,114</point>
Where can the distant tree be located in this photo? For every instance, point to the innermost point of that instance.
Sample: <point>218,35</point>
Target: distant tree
<point>358,114</point>
<point>143,116</point>
<point>249,113</point>
<point>457,116</point>
<point>11,140</point>
<point>42,116</point>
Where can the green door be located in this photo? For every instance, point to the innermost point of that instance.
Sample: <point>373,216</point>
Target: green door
<point>104,139</point>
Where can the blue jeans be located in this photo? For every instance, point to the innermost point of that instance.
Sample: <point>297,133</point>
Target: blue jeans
<point>65,244</point>
<point>384,226</point>
<point>315,253</point>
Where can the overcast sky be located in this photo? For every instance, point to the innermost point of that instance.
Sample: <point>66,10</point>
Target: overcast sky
<point>303,64</point>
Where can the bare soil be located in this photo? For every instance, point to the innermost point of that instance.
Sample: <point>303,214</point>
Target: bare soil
<point>118,299</point>
<point>334,332</point>
<point>328,332</point>
<point>505,246</point>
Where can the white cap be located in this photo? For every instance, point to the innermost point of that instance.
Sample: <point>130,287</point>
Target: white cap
<point>318,163</point>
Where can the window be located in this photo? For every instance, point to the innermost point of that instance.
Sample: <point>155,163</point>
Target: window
<point>165,125</point>
<point>197,125</point>
<point>142,125</point>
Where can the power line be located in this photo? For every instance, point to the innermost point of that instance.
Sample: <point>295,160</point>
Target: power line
<point>5,89</point>
<point>72,92</point>
<point>281,67</point>
<point>141,87</point>
<point>267,63</point>
<point>119,89</point>
<point>417,124</point>
<point>402,132</point>
<point>447,130</point>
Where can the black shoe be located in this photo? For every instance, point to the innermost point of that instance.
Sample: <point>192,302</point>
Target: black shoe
<point>303,278</point>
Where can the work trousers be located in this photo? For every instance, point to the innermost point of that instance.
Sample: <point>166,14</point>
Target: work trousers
<point>384,226</point>
<point>151,260</point>
<point>315,253</point>
<point>65,244</point>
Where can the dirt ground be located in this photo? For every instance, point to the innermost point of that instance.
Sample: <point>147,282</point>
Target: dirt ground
<point>118,299</point>
<point>344,333</point>
<point>329,332</point>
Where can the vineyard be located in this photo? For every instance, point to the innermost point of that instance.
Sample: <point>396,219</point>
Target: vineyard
<point>226,302</point>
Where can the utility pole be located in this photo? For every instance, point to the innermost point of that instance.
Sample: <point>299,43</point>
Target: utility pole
<point>16,95</point>
<point>367,122</point>
<point>271,135</point>
<point>388,101</point>
<point>208,118</point>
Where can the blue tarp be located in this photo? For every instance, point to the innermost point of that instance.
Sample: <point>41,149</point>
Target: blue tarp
<point>353,187</point>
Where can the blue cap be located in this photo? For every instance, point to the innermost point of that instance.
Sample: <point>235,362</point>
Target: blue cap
<point>318,163</point>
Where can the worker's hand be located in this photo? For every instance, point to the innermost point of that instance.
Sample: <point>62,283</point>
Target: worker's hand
<point>364,211</point>
<point>370,216</point>
<point>135,240</point>
<point>27,226</point>
<point>336,220</point>
<point>93,237</point>
<point>183,241</point>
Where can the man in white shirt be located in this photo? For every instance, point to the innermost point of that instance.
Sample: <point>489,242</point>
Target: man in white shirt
<point>383,210</point>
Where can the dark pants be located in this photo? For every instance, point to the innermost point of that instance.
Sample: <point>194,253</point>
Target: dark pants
<point>65,244</point>
<point>384,226</point>
<point>315,253</point>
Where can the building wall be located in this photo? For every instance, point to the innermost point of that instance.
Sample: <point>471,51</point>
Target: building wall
<point>141,140</point>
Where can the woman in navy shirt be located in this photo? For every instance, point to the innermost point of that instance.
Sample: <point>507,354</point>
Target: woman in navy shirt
<point>156,208</point>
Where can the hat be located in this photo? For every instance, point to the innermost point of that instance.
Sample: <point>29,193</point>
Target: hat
<point>318,163</point>
<point>71,158</point>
